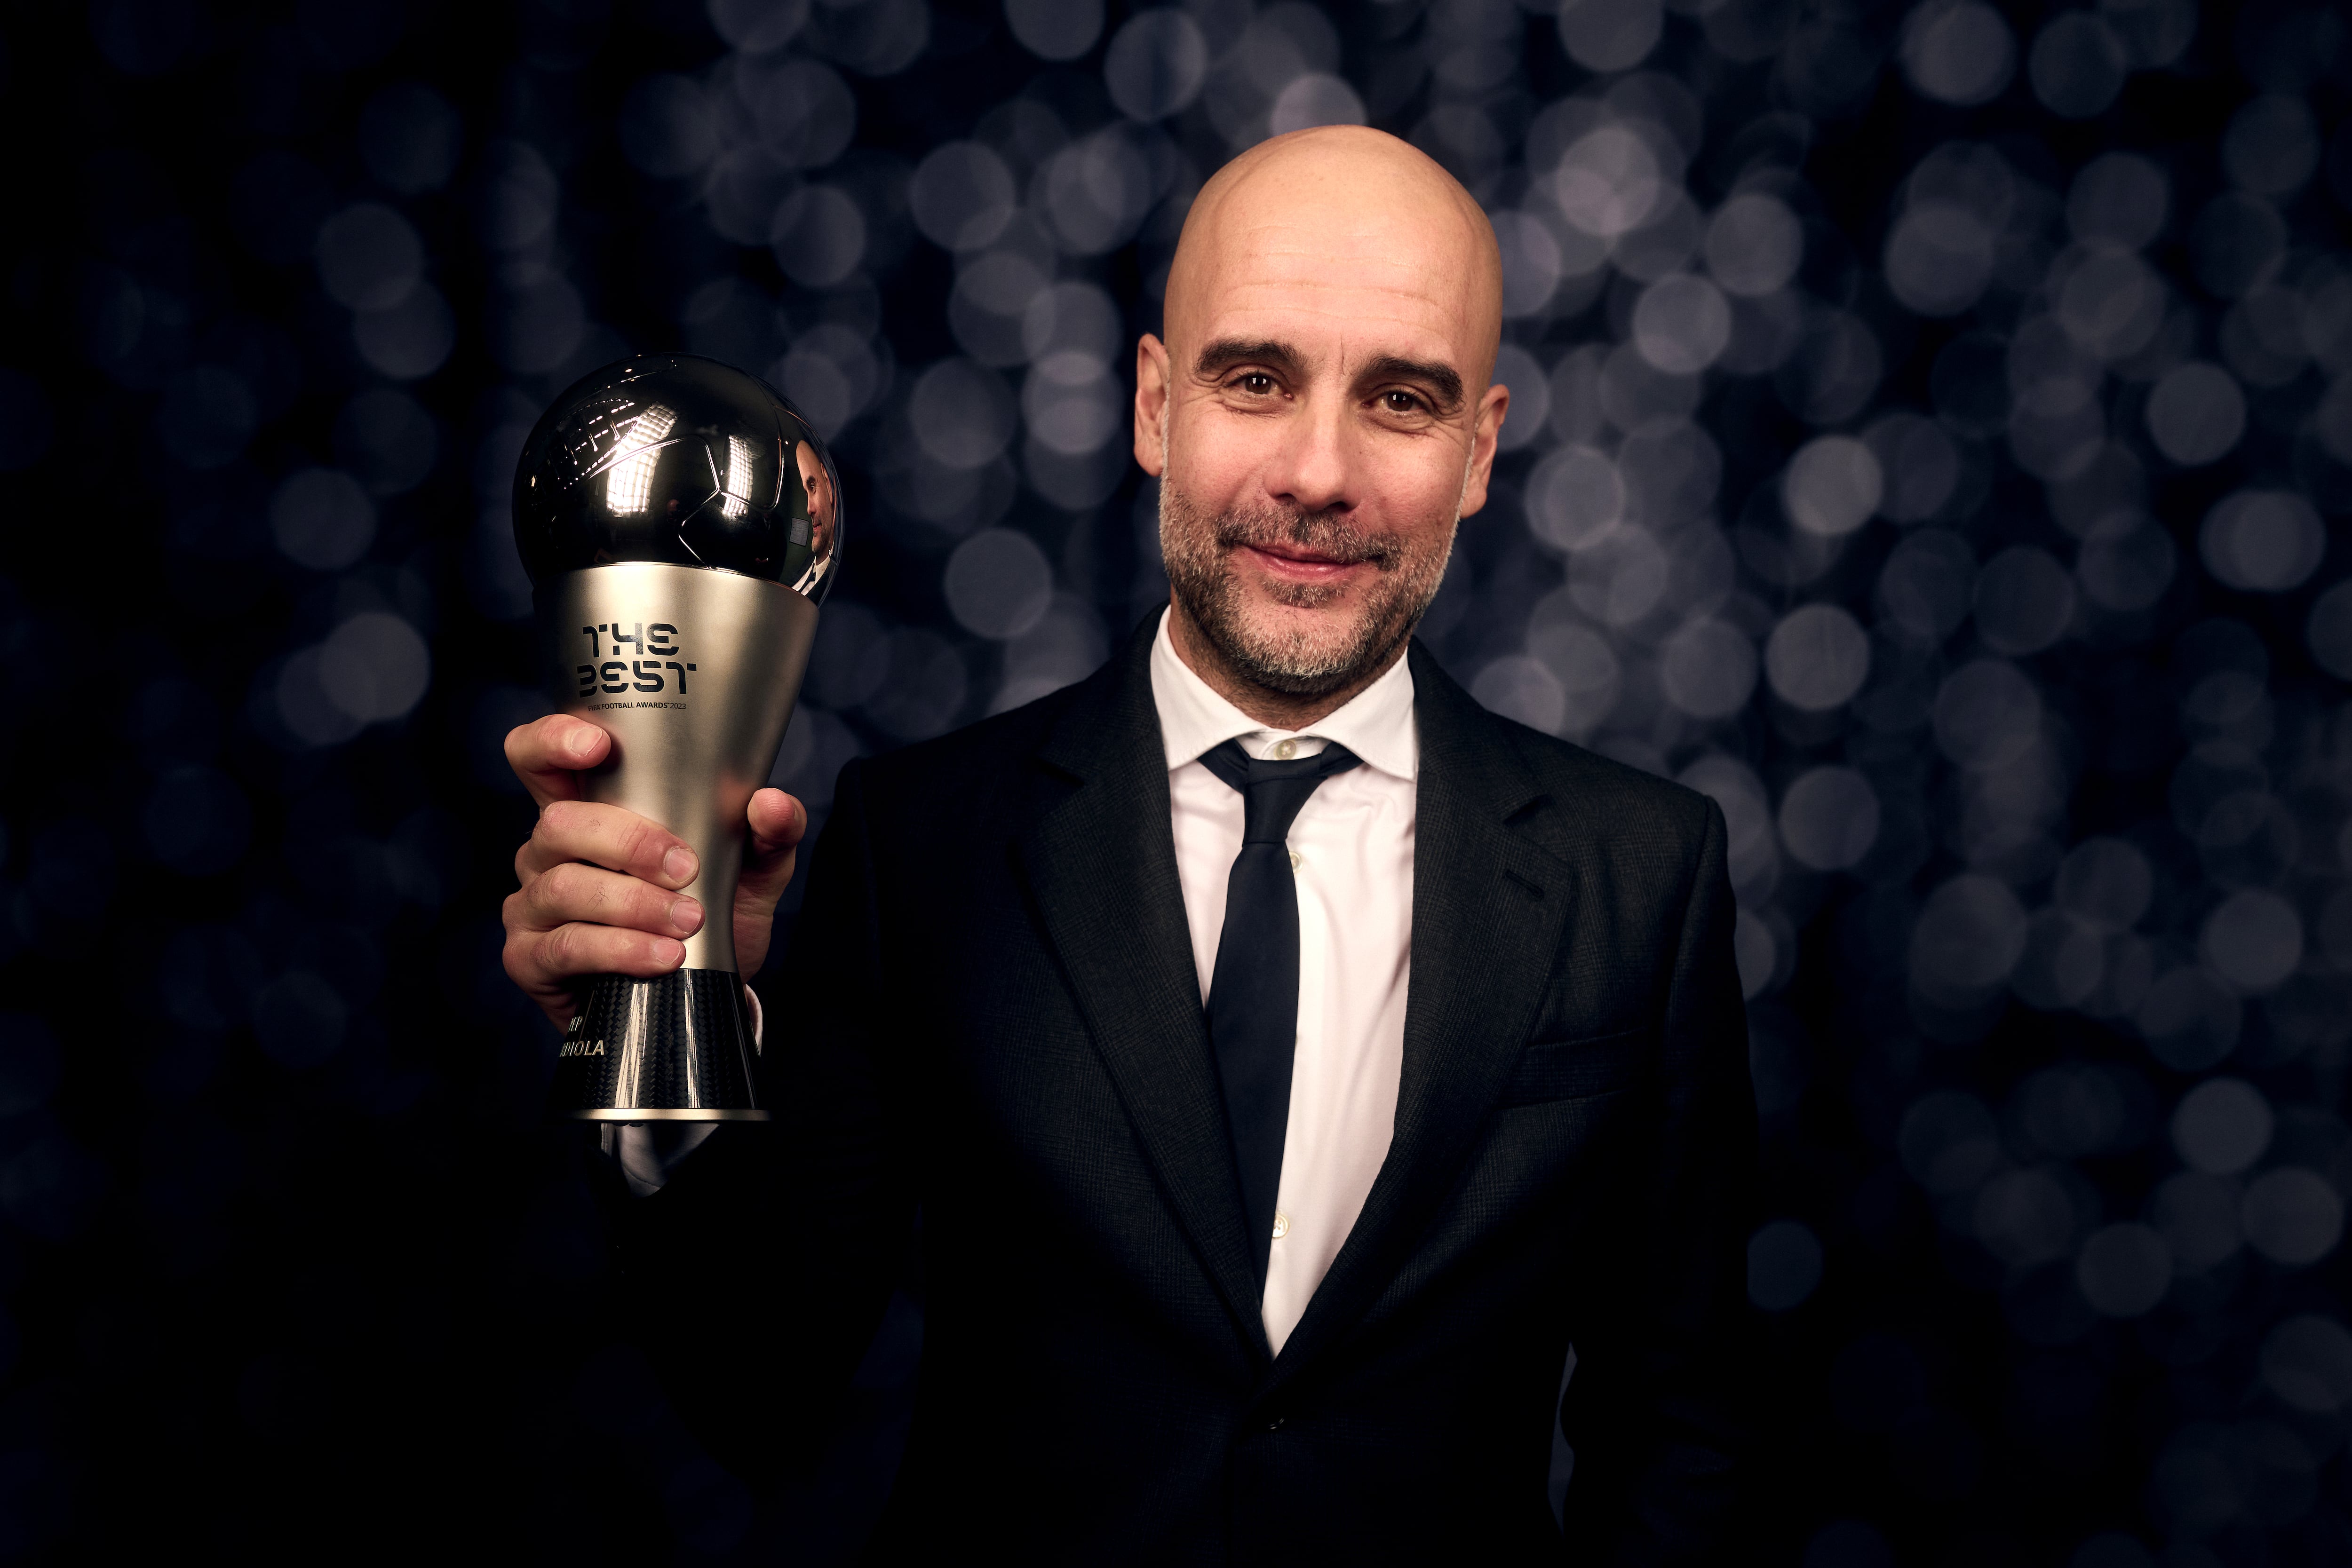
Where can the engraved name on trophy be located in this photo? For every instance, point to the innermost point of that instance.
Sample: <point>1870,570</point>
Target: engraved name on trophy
<point>681,523</point>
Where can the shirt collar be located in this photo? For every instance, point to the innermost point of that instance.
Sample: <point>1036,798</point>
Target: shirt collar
<point>1375,724</point>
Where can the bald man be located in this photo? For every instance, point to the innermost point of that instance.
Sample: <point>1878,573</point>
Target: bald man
<point>1326,1102</point>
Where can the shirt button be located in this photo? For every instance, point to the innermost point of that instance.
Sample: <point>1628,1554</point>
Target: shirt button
<point>1283,750</point>
<point>1296,860</point>
<point>1281,1225</point>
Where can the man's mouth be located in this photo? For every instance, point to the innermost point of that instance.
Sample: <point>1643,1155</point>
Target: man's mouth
<point>1297,563</point>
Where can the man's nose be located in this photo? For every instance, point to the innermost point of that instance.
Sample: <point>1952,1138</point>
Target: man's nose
<point>1313,468</point>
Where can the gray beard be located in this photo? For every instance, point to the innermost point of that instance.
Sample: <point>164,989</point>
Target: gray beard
<point>1197,547</point>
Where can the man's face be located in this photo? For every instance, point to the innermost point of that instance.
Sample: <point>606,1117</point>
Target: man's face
<point>819,486</point>
<point>1324,426</point>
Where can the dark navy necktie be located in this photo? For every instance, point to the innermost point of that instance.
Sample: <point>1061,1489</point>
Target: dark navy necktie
<point>1254,995</point>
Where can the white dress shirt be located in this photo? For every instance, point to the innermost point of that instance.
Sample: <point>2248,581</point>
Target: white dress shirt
<point>1352,852</point>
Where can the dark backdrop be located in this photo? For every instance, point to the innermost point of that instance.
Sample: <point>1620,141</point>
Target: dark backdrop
<point>1930,434</point>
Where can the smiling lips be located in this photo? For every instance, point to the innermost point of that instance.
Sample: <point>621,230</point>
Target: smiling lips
<point>1295,563</point>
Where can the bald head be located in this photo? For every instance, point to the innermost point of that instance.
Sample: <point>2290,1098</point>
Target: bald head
<point>1344,207</point>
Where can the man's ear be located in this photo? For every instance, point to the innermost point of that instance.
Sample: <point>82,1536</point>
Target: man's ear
<point>1150,403</point>
<point>1484,433</point>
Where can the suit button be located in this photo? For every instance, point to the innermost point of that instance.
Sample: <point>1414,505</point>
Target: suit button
<point>1274,1425</point>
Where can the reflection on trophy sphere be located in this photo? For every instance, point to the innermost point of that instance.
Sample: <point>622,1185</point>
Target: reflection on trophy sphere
<point>670,457</point>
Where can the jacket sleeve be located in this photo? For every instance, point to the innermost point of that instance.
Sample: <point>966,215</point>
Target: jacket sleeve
<point>1656,1409</point>
<point>759,1271</point>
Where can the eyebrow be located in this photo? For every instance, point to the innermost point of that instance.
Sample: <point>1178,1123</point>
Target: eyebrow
<point>1224,354</point>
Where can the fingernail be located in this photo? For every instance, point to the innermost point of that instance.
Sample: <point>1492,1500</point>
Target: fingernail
<point>668,952</point>
<point>678,865</point>
<point>582,745</point>
<point>686,915</point>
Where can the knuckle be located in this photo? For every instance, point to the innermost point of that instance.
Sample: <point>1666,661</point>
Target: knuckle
<point>524,959</point>
<point>578,891</point>
<point>527,744</point>
<point>641,840</point>
<point>552,889</point>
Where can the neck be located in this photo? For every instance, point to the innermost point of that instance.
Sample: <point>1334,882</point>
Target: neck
<point>1273,709</point>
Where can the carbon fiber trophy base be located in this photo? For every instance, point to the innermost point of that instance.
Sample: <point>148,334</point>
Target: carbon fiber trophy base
<point>675,1048</point>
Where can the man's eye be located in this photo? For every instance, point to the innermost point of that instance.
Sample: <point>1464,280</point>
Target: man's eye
<point>1401,402</point>
<point>1258,383</point>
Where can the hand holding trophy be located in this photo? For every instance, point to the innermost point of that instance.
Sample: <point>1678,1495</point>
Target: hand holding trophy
<point>681,525</point>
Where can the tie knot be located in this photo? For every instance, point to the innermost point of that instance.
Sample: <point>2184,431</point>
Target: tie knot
<point>1273,793</point>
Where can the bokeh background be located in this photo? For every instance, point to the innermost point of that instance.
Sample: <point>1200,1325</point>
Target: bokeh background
<point>1931,433</point>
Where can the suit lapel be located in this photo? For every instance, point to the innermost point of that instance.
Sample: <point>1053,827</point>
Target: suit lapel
<point>1100,861</point>
<point>1488,908</point>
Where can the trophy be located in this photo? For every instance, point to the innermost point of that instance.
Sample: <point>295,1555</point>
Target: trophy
<point>680,522</point>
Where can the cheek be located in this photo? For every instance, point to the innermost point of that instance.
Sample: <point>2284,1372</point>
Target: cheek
<point>1411,487</point>
<point>1217,461</point>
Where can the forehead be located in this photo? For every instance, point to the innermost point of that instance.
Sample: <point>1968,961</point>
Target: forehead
<point>1339,279</point>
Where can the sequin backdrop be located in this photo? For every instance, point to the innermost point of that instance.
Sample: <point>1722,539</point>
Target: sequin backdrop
<point>1930,430</point>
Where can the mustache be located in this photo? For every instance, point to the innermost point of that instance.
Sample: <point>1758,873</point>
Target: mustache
<point>1324,533</point>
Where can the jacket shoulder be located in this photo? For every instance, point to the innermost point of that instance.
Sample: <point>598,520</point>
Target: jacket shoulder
<point>1567,796</point>
<point>1596,788</point>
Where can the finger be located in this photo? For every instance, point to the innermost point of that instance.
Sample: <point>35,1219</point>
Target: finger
<point>609,836</point>
<point>778,822</point>
<point>554,994</point>
<point>548,958</point>
<point>574,893</point>
<point>545,753</point>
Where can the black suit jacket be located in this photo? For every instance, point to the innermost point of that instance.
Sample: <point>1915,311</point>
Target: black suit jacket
<point>990,1011</point>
